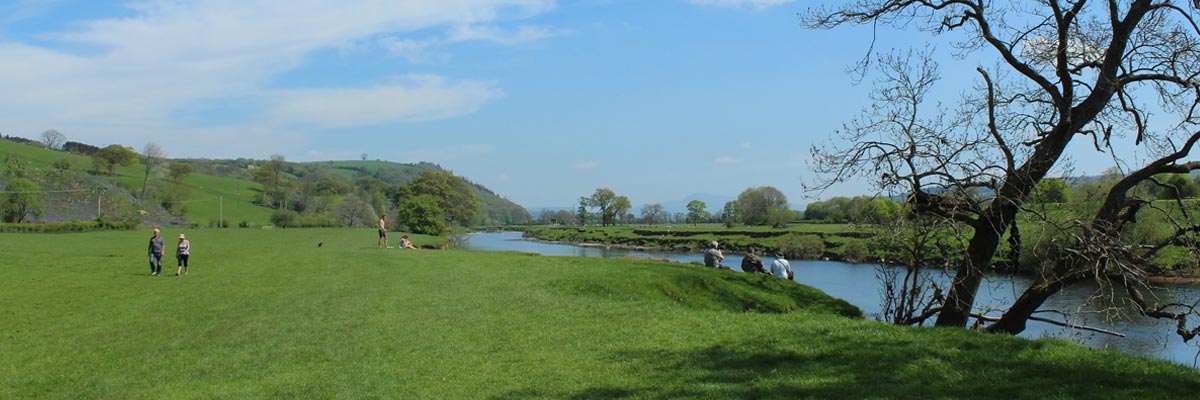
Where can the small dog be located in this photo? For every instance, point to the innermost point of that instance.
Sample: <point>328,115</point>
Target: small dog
<point>320,244</point>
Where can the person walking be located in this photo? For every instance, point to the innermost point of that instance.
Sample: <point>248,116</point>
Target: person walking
<point>156,253</point>
<point>781,268</point>
<point>383,239</point>
<point>182,254</point>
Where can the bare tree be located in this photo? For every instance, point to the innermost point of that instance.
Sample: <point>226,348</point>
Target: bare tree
<point>653,213</point>
<point>152,157</point>
<point>1064,70</point>
<point>53,139</point>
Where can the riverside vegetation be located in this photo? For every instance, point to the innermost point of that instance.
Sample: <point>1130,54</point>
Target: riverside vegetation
<point>266,313</point>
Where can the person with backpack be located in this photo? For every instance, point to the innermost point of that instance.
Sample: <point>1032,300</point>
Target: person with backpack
<point>751,263</point>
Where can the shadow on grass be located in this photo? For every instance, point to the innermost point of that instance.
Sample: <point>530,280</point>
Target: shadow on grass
<point>925,365</point>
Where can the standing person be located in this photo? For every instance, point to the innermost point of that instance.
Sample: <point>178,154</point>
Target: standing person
<point>383,241</point>
<point>751,263</point>
<point>156,253</point>
<point>781,268</point>
<point>405,244</point>
<point>181,254</point>
<point>713,256</point>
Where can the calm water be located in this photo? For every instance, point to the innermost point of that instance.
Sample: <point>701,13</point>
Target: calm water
<point>857,284</point>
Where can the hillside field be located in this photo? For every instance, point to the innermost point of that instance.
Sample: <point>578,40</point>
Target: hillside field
<point>266,313</point>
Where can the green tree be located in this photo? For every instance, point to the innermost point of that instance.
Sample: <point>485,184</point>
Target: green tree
<point>620,209</point>
<point>422,214</point>
<point>731,213</point>
<point>24,198</point>
<point>603,200</point>
<point>1049,191</point>
<point>581,213</point>
<point>880,211</point>
<point>453,194</point>
<point>697,212</point>
<point>178,170</point>
<point>757,203</point>
<point>272,176</point>
<point>109,158</point>
<point>1174,186</point>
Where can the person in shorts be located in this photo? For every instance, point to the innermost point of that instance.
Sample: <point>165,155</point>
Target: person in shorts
<point>156,253</point>
<point>383,239</point>
<point>182,252</point>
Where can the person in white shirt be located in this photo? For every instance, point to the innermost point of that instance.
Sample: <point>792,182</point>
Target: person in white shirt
<point>781,268</point>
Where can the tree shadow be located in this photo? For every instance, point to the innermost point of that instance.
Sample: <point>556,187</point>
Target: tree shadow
<point>926,365</point>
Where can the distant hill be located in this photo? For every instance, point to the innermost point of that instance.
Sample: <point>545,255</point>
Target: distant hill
<point>496,209</point>
<point>214,189</point>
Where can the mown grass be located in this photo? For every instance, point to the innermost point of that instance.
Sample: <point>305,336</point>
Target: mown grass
<point>266,313</point>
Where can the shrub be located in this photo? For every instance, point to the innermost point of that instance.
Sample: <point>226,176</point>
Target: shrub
<point>284,218</point>
<point>855,251</point>
<point>802,246</point>
<point>244,224</point>
<point>218,223</point>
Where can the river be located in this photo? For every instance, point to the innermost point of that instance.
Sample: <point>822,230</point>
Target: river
<point>857,284</point>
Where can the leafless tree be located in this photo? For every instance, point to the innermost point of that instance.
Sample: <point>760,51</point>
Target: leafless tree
<point>1063,70</point>
<point>653,213</point>
<point>153,157</point>
<point>53,139</point>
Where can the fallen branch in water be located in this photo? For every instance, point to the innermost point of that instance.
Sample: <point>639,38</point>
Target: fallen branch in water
<point>982,317</point>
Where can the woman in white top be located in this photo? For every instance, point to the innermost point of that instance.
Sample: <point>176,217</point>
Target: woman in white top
<point>181,254</point>
<point>781,267</point>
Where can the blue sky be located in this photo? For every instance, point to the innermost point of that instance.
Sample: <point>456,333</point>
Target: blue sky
<point>542,101</point>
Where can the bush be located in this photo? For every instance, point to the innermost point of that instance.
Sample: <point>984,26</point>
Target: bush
<point>807,247</point>
<point>218,223</point>
<point>78,226</point>
<point>64,164</point>
<point>855,251</point>
<point>285,219</point>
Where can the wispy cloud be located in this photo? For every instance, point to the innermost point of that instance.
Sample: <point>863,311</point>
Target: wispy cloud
<point>413,98</point>
<point>584,165</point>
<point>747,146</point>
<point>754,4</point>
<point>140,72</point>
<point>726,160</point>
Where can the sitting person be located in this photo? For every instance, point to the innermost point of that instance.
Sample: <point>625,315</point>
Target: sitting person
<point>781,268</point>
<point>752,264</point>
<point>405,244</point>
<point>713,256</point>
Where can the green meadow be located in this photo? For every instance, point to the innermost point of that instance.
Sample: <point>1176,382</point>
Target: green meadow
<point>269,314</point>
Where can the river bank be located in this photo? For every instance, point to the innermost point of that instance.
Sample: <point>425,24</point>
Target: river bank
<point>807,242</point>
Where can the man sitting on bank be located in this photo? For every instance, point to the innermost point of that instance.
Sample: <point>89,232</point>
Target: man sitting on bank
<point>752,264</point>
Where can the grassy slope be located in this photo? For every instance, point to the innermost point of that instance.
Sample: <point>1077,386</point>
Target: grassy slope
<point>202,205</point>
<point>268,314</point>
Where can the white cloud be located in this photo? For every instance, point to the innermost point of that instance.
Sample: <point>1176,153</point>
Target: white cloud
<point>726,160</point>
<point>415,98</point>
<point>747,146</point>
<point>755,4</point>
<point>136,75</point>
<point>584,165</point>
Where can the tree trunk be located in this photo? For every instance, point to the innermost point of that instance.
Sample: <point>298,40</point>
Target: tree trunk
<point>1013,321</point>
<point>957,309</point>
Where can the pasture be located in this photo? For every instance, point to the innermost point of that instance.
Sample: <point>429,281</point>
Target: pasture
<point>266,313</point>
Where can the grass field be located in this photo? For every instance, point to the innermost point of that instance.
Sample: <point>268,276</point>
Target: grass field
<point>266,313</point>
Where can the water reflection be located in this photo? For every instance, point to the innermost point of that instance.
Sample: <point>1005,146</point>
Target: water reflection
<point>857,284</point>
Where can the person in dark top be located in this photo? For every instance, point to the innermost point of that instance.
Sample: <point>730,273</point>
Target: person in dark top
<point>156,253</point>
<point>752,264</point>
